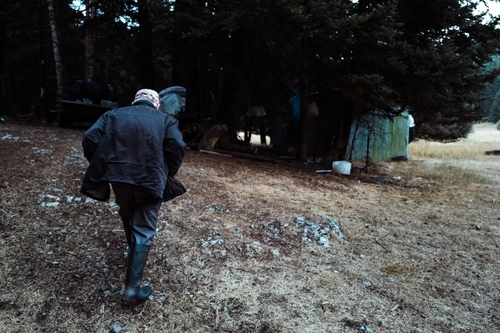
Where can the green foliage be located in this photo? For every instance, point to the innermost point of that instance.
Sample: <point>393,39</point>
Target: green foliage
<point>487,96</point>
<point>21,55</point>
<point>446,64</point>
<point>444,132</point>
<point>433,57</point>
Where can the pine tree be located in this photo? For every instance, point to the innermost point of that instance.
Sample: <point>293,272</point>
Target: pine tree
<point>360,56</point>
<point>488,94</point>
<point>448,47</point>
<point>494,115</point>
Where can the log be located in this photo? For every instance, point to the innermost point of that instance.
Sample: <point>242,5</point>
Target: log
<point>244,155</point>
<point>213,152</point>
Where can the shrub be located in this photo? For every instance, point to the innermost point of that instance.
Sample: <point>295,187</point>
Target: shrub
<point>494,114</point>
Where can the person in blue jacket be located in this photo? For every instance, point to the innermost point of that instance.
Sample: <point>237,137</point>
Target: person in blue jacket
<point>137,150</point>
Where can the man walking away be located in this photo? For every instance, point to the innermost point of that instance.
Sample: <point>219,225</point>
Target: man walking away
<point>138,150</point>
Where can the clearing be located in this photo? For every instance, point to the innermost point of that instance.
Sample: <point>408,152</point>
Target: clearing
<point>254,246</point>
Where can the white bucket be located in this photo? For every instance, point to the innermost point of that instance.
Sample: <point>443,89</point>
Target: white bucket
<point>342,167</point>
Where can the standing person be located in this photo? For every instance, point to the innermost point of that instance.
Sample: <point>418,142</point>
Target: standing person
<point>138,150</point>
<point>411,125</point>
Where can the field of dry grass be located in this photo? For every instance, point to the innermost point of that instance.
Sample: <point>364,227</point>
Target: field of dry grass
<point>464,161</point>
<point>254,246</point>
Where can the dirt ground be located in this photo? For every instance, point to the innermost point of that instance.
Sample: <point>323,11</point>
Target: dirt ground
<point>251,247</point>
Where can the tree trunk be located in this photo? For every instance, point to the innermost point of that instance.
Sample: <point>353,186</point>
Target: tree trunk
<point>56,44</point>
<point>145,46</point>
<point>42,108</point>
<point>3,48</point>
<point>338,148</point>
<point>90,8</point>
<point>304,98</point>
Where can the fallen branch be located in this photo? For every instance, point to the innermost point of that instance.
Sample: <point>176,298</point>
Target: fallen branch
<point>212,152</point>
<point>377,241</point>
<point>243,155</point>
<point>216,308</point>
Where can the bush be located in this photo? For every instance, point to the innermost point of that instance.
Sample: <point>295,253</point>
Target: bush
<point>444,132</point>
<point>494,114</point>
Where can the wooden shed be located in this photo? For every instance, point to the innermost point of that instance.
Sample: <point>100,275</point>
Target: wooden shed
<point>379,138</point>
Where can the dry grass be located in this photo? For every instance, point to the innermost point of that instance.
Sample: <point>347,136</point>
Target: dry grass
<point>463,162</point>
<point>420,251</point>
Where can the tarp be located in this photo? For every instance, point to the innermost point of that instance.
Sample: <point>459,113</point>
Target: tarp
<point>296,104</point>
<point>173,100</point>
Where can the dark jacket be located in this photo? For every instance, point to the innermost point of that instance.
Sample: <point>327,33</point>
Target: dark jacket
<point>136,145</point>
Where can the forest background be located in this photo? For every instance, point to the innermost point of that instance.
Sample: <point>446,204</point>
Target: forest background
<point>438,59</point>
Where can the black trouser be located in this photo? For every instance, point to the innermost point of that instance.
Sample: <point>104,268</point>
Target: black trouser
<point>411,135</point>
<point>139,213</point>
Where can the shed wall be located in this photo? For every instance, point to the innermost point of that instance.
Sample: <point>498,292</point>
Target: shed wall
<point>383,138</point>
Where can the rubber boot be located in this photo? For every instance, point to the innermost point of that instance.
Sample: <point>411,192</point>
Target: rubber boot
<point>136,261</point>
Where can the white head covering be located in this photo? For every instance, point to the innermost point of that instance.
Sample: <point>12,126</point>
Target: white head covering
<point>148,95</point>
<point>411,121</point>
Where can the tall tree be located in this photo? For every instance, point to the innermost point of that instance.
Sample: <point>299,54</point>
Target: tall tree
<point>355,57</point>
<point>494,115</point>
<point>22,73</point>
<point>55,34</point>
<point>448,46</point>
<point>491,89</point>
<point>90,37</point>
<point>144,44</point>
